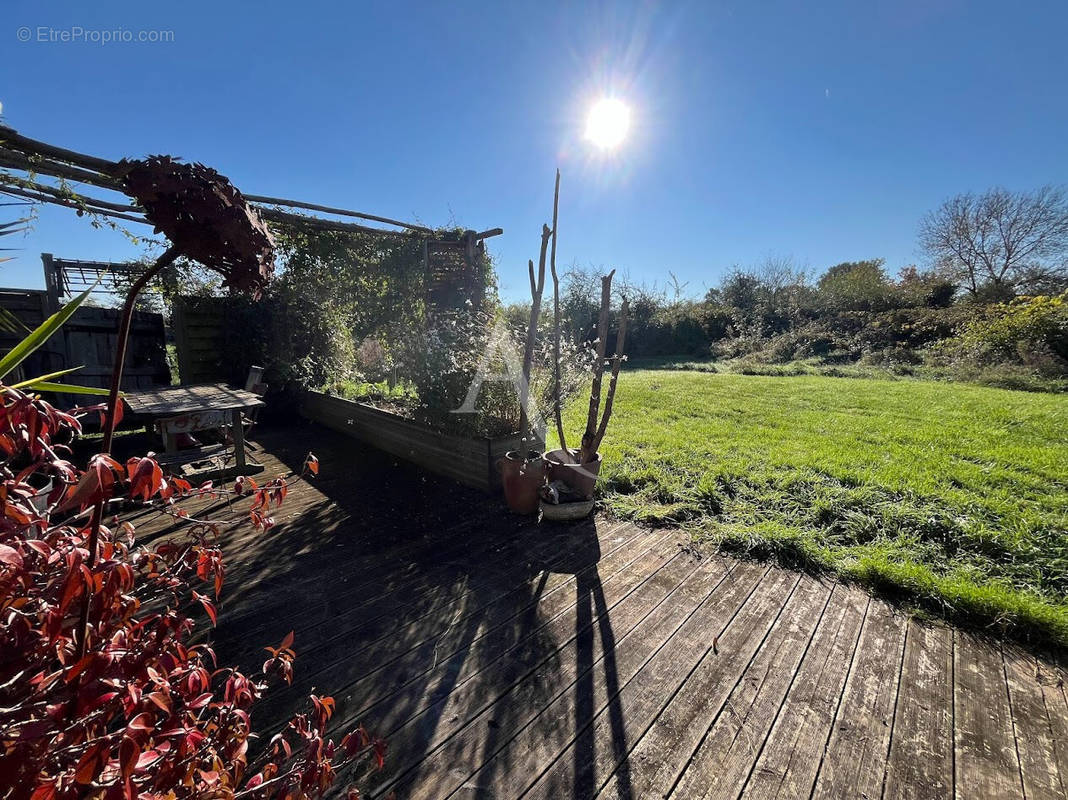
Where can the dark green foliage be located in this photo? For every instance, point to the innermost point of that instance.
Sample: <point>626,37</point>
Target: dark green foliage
<point>857,286</point>
<point>853,315</point>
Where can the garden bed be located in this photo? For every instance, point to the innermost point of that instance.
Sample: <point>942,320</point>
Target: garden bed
<point>470,460</point>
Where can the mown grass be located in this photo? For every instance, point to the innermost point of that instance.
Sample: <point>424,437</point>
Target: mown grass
<point>953,498</point>
<point>999,376</point>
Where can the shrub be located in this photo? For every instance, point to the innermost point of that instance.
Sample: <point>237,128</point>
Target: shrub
<point>102,693</point>
<point>1026,328</point>
<point>856,286</point>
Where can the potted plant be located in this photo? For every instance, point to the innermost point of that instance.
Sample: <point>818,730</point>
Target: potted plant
<point>523,473</point>
<point>578,468</point>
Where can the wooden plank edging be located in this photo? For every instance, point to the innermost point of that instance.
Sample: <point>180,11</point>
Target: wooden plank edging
<point>470,460</point>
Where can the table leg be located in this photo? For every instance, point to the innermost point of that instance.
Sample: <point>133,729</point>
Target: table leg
<point>170,444</point>
<point>238,432</point>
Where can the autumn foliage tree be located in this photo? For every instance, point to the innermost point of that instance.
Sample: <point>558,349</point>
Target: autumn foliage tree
<point>145,712</point>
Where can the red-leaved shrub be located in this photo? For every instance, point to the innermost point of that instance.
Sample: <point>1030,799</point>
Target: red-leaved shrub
<point>145,713</point>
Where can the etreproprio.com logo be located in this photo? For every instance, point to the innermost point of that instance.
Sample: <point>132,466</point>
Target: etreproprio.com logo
<point>76,34</point>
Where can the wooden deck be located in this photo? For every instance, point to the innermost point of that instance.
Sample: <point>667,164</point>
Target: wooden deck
<point>504,659</point>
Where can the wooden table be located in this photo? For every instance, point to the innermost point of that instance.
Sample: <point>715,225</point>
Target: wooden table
<point>185,409</point>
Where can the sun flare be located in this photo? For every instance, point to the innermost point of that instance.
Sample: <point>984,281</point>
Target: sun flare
<point>608,123</point>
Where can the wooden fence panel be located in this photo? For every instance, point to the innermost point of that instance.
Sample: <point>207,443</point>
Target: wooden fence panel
<point>88,340</point>
<point>199,330</point>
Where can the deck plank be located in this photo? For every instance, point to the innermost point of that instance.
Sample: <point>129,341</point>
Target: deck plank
<point>1034,735</point>
<point>470,612</point>
<point>1052,686</point>
<point>855,760</point>
<point>788,764</point>
<point>508,759</point>
<point>596,697</point>
<point>411,684</point>
<point>721,764</point>
<point>986,760</point>
<point>470,719</point>
<point>920,766</point>
<point>502,658</point>
<point>675,729</point>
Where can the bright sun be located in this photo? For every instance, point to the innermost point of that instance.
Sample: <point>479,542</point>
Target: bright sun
<point>608,123</point>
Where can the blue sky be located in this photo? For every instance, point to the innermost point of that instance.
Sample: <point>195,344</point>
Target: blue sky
<point>820,131</point>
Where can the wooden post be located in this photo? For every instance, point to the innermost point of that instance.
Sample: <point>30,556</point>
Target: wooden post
<point>180,329</point>
<point>239,441</point>
<point>52,289</point>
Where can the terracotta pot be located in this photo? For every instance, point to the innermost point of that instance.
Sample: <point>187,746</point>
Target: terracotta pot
<point>522,478</point>
<point>580,477</point>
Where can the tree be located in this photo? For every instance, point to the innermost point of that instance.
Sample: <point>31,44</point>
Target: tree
<point>856,286</point>
<point>917,288</point>
<point>764,299</point>
<point>1000,243</point>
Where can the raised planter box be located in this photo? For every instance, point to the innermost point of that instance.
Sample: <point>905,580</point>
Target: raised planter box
<point>469,460</point>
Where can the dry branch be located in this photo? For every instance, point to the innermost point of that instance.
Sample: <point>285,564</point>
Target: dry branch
<point>557,404</point>
<point>617,362</point>
<point>71,203</point>
<point>44,166</point>
<point>586,454</point>
<point>537,287</point>
<point>277,201</point>
<point>33,186</point>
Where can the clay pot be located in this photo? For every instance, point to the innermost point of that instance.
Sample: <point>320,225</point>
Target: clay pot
<point>522,478</point>
<point>580,477</point>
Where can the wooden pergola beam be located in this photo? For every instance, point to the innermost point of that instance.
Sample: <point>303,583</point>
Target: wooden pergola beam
<point>34,156</point>
<point>277,201</point>
<point>41,197</point>
<point>42,193</point>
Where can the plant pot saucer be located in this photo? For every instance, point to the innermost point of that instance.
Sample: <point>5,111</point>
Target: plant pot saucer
<point>566,512</point>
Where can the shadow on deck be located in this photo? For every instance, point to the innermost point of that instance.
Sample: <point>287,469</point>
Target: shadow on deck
<point>417,604</point>
<point>500,658</point>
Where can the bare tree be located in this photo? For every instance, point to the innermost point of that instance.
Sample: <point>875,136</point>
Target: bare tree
<point>1002,241</point>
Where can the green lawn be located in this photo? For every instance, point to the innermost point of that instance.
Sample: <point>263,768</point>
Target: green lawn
<point>952,497</point>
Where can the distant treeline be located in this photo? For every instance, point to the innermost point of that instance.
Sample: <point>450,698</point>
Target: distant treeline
<point>992,306</point>
<point>852,314</point>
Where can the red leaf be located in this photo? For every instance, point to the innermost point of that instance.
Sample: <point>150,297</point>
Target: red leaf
<point>380,753</point>
<point>129,753</point>
<point>208,606</point>
<point>118,413</point>
<point>46,791</point>
<point>311,464</point>
<point>146,477</point>
<point>161,700</point>
<point>10,556</point>
<point>287,642</point>
<point>95,484</point>
<point>90,764</point>
<point>200,702</point>
<point>140,724</point>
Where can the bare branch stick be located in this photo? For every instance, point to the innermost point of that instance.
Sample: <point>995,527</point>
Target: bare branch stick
<point>278,201</point>
<point>24,144</point>
<point>617,362</point>
<point>585,453</point>
<point>44,166</point>
<point>537,288</point>
<point>557,404</point>
<point>24,183</point>
<point>70,203</point>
